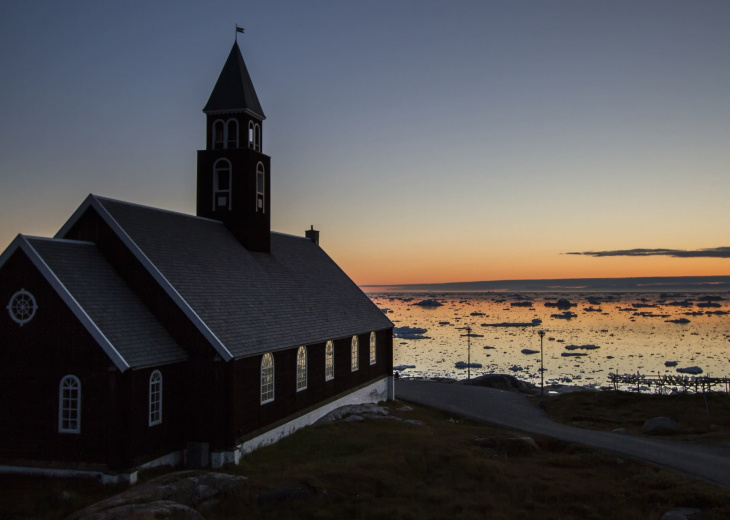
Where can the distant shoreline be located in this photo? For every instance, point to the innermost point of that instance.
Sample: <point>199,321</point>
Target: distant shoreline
<point>663,284</point>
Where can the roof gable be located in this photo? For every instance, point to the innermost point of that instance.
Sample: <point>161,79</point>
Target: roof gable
<point>234,89</point>
<point>101,301</point>
<point>249,302</point>
<point>94,203</point>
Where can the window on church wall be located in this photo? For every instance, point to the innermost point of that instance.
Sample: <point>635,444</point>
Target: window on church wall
<point>257,137</point>
<point>69,405</point>
<point>329,361</point>
<point>354,354</point>
<point>267,378</point>
<point>155,401</point>
<point>222,184</point>
<point>232,134</point>
<point>218,135</point>
<point>260,188</point>
<point>373,347</point>
<point>250,134</point>
<point>301,368</point>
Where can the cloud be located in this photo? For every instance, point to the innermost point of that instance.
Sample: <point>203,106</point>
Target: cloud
<point>713,252</point>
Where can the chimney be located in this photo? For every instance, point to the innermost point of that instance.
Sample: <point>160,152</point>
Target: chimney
<point>312,234</point>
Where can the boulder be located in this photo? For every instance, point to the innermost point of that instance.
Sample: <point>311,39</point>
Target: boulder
<point>357,410</point>
<point>506,445</point>
<point>162,496</point>
<point>288,493</point>
<point>661,426</point>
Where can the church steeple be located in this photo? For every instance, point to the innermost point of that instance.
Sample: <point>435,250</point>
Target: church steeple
<point>234,89</point>
<point>233,174</point>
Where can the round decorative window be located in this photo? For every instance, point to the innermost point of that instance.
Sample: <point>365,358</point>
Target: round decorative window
<point>22,307</point>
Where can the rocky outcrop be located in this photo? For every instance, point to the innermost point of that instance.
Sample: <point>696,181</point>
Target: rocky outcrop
<point>175,495</point>
<point>660,426</point>
<point>502,382</point>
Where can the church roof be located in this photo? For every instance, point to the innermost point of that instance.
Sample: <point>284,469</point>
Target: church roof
<point>244,302</point>
<point>108,308</point>
<point>234,89</point>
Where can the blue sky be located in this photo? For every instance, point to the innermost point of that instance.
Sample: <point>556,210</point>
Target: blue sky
<point>428,141</point>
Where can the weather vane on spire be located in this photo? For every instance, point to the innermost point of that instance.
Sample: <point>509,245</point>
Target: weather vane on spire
<point>238,30</point>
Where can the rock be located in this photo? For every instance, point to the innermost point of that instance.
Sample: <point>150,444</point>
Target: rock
<point>360,410</point>
<point>158,510</point>
<point>510,446</point>
<point>288,493</point>
<point>680,513</point>
<point>168,496</point>
<point>502,382</point>
<point>354,418</point>
<point>660,426</point>
<point>621,431</point>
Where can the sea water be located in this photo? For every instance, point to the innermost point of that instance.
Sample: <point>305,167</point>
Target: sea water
<point>649,334</point>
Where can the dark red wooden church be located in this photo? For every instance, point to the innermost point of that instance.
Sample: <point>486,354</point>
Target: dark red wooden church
<point>138,336</point>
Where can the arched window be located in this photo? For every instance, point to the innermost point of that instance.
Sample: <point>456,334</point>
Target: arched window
<point>257,137</point>
<point>267,378</point>
<point>222,184</point>
<point>218,135</point>
<point>260,188</point>
<point>69,405</point>
<point>329,361</point>
<point>354,351</point>
<point>232,134</point>
<point>372,348</point>
<point>301,368</point>
<point>155,406</point>
<point>250,134</point>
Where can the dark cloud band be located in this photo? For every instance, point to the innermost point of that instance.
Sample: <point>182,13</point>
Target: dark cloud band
<point>714,252</point>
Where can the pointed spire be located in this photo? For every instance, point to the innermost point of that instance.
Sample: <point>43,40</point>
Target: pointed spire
<point>234,90</point>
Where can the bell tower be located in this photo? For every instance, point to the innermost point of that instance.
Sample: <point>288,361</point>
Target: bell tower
<point>233,173</point>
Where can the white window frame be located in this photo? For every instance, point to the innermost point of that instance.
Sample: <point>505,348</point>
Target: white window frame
<point>22,307</point>
<point>250,134</point>
<point>354,354</point>
<point>267,378</point>
<point>220,166</point>
<point>373,348</point>
<point>257,137</point>
<point>301,368</point>
<point>329,361</point>
<point>231,142</point>
<point>260,188</point>
<point>219,144</point>
<point>69,404</point>
<point>155,398</point>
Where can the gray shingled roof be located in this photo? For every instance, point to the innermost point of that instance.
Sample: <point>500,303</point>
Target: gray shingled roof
<point>252,302</point>
<point>234,89</point>
<point>110,303</point>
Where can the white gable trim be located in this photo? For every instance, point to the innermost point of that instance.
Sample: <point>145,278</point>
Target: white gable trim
<point>93,201</point>
<point>22,243</point>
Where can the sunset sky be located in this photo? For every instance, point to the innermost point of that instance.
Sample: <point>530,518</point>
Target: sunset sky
<point>428,141</point>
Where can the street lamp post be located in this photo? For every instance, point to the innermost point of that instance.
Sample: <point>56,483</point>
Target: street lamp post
<point>541,333</point>
<point>468,350</point>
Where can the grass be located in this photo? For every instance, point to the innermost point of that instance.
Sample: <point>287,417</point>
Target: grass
<point>702,418</point>
<point>383,468</point>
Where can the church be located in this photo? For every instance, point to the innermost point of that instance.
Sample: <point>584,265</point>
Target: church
<point>139,337</point>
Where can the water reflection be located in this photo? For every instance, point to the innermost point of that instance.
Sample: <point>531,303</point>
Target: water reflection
<point>587,337</point>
